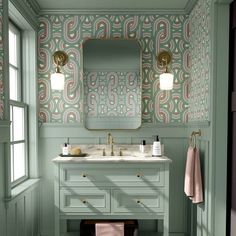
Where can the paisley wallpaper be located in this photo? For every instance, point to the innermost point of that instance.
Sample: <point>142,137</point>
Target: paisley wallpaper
<point>1,64</point>
<point>200,45</point>
<point>155,32</point>
<point>112,94</point>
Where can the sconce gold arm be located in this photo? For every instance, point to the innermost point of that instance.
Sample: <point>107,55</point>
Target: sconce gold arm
<point>60,58</point>
<point>164,58</point>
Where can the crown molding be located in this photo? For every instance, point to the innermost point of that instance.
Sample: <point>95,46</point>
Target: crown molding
<point>223,1</point>
<point>112,11</point>
<point>34,5</point>
<point>28,9</point>
<point>190,5</point>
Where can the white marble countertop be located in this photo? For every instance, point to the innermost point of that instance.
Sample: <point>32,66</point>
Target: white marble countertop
<point>130,153</point>
<point>111,159</point>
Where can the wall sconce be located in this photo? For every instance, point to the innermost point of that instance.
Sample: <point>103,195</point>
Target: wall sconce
<point>60,59</point>
<point>166,78</point>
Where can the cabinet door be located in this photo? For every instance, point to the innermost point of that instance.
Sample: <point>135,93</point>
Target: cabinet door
<point>84,200</point>
<point>138,200</point>
<point>72,175</point>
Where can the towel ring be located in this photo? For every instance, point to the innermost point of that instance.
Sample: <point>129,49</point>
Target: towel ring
<point>193,138</point>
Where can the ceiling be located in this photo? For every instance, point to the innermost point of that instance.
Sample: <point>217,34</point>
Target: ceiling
<point>165,5</point>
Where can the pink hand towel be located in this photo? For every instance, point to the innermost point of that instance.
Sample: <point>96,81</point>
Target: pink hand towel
<point>193,178</point>
<point>110,229</point>
<point>198,194</point>
<point>189,173</point>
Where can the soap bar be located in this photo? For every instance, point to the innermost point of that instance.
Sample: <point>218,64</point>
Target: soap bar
<point>75,151</point>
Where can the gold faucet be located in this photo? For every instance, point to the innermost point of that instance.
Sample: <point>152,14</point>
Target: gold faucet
<point>111,143</point>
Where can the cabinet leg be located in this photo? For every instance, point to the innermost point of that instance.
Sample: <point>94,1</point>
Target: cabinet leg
<point>166,226</point>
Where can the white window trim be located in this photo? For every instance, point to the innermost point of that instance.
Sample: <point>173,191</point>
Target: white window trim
<point>30,86</point>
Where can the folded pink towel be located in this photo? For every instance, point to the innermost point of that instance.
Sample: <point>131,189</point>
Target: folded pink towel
<point>110,229</point>
<point>189,173</point>
<point>193,178</point>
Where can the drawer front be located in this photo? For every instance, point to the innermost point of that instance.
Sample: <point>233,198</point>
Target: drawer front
<point>137,200</point>
<point>79,176</point>
<point>85,200</point>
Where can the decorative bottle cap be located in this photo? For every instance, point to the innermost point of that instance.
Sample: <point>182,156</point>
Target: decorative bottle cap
<point>157,138</point>
<point>143,142</point>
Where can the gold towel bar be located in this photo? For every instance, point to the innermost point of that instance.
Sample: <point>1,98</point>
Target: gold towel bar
<point>192,140</point>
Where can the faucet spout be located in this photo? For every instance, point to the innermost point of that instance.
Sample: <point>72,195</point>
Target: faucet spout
<point>111,143</point>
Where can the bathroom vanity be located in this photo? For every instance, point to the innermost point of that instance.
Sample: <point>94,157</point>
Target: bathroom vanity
<point>111,187</point>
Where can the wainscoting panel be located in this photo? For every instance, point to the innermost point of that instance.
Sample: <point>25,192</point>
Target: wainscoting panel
<point>2,191</point>
<point>23,213</point>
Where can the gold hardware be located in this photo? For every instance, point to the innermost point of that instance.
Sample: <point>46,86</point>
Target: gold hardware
<point>60,58</point>
<point>164,58</point>
<point>120,152</point>
<point>111,142</point>
<point>139,175</point>
<point>193,140</point>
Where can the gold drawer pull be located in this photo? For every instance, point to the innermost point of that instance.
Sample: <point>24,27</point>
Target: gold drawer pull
<point>84,201</point>
<point>84,175</point>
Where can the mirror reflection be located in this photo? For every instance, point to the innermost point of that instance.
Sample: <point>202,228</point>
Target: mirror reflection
<point>112,84</point>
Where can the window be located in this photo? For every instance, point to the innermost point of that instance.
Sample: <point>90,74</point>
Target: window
<point>18,110</point>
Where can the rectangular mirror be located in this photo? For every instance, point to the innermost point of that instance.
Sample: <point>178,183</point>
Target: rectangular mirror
<point>112,84</point>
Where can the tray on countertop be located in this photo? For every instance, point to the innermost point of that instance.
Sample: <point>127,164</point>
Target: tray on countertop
<point>70,155</point>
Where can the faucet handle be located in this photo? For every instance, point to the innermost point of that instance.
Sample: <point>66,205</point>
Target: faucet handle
<point>103,152</point>
<point>120,152</point>
<point>109,138</point>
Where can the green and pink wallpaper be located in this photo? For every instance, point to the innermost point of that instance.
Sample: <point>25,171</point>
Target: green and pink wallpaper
<point>200,61</point>
<point>155,32</point>
<point>1,63</point>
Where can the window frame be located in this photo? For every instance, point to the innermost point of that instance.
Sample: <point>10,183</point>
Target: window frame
<point>19,103</point>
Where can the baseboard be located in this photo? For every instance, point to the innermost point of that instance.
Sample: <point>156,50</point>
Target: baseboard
<point>141,233</point>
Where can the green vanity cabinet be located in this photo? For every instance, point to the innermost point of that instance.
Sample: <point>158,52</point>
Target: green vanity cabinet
<point>111,190</point>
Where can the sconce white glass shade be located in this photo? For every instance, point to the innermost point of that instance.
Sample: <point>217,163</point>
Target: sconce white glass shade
<point>166,81</point>
<point>57,81</point>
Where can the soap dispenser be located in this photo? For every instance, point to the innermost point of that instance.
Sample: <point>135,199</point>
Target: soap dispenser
<point>142,146</point>
<point>65,150</point>
<point>156,148</point>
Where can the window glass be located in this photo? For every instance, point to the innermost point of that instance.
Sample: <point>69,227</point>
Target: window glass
<point>18,160</point>
<point>18,123</point>
<point>18,110</point>
<point>12,47</point>
<point>13,84</point>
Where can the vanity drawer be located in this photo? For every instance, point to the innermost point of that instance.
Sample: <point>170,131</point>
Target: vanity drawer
<point>137,200</point>
<point>85,200</point>
<point>124,176</point>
